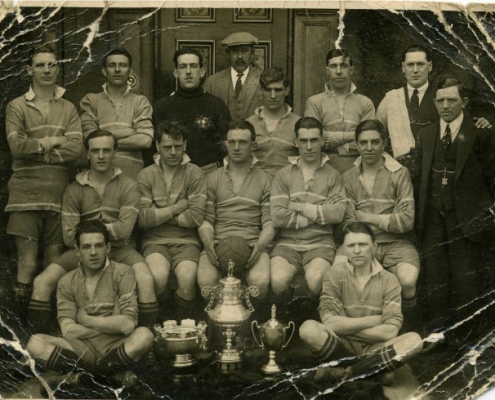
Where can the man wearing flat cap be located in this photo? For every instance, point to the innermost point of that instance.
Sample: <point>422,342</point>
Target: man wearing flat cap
<point>238,86</point>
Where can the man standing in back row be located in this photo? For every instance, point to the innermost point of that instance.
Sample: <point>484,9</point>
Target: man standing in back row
<point>239,85</point>
<point>126,115</point>
<point>44,135</point>
<point>339,108</point>
<point>205,116</point>
<point>406,110</point>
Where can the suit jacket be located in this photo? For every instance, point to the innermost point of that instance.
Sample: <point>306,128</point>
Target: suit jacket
<point>474,177</point>
<point>220,85</point>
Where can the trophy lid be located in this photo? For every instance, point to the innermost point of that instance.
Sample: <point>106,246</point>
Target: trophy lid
<point>273,322</point>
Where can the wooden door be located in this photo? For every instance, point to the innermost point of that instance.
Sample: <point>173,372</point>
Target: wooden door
<point>315,33</point>
<point>133,29</point>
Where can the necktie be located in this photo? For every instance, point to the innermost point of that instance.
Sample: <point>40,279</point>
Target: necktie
<point>447,139</point>
<point>414,104</point>
<point>238,84</point>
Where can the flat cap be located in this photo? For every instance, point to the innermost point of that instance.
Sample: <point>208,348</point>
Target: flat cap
<point>239,38</point>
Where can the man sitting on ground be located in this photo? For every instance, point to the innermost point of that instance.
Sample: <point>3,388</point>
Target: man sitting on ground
<point>97,312</point>
<point>360,310</point>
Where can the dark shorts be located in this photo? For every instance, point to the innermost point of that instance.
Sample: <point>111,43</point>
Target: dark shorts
<point>125,254</point>
<point>174,253</point>
<point>90,350</point>
<point>37,225</point>
<point>300,258</point>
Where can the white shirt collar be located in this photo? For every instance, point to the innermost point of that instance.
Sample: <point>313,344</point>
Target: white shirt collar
<point>294,159</point>
<point>390,163</point>
<point>329,90</point>
<point>455,126</point>
<point>83,177</point>
<point>104,86</point>
<point>376,267</point>
<point>30,94</point>
<point>421,91</point>
<point>254,160</point>
<point>233,75</point>
<point>185,159</point>
<point>259,111</point>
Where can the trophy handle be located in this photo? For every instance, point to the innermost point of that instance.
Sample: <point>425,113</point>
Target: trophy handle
<point>255,324</point>
<point>206,291</point>
<point>291,323</point>
<point>254,291</point>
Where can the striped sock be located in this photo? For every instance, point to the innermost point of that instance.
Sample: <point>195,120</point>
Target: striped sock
<point>148,314</point>
<point>409,302</point>
<point>332,349</point>
<point>39,316</point>
<point>63,360</point>
<point>380,360</point>
<point>116,360</point>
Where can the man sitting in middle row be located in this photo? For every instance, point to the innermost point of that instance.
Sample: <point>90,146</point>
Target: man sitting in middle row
<point>104,193</point>
<point>307,199</point>
<point>238,204</point>
<point>173,199</point>
<point>380,193</point>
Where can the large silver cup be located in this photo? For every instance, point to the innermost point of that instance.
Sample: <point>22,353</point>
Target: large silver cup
<point>273,337</point>
<point>180,341</point>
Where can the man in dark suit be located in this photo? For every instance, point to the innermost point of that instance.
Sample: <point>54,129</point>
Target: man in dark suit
<point>239,85</point>
<point>456,207</point>
<point>408,109</point>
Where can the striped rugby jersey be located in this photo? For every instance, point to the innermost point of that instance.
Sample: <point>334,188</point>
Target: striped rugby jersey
<point>40,177</point>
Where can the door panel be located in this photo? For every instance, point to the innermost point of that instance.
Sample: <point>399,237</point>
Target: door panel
<point>314,36</point>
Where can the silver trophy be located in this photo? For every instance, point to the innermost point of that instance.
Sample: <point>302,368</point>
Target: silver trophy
<point>272,335</point>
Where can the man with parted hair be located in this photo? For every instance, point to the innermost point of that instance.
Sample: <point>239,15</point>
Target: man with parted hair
<point>239,85</point>
<point>118,110</point>
<point>360,311</point>
<point>380,193</point>
<point>204,115</point>
<point>106,194</point>
<point>97,312</point>
<point>238,204</point>
<point>307,200</point>
<point>172,206</point>
<point>456,208</point>
<point>339,108</point>
<point>44,135</point>
<point>274,123</point>
<point>406,110</point>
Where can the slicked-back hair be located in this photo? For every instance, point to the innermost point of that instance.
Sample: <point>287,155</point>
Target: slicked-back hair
<point>358,227</point>
<point>91,226</point>
<point>338,53</point>
<point>272,75</point>
<point>308,123</point>
<point>417,48</point>
<point>118,51</point>
<point>40,49</point>
<point>371,125</point>
<point>174,129</point>
<point>181,52</point>
<point>449,81</point>
<point>244,125</point>
<point>100,133</point>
